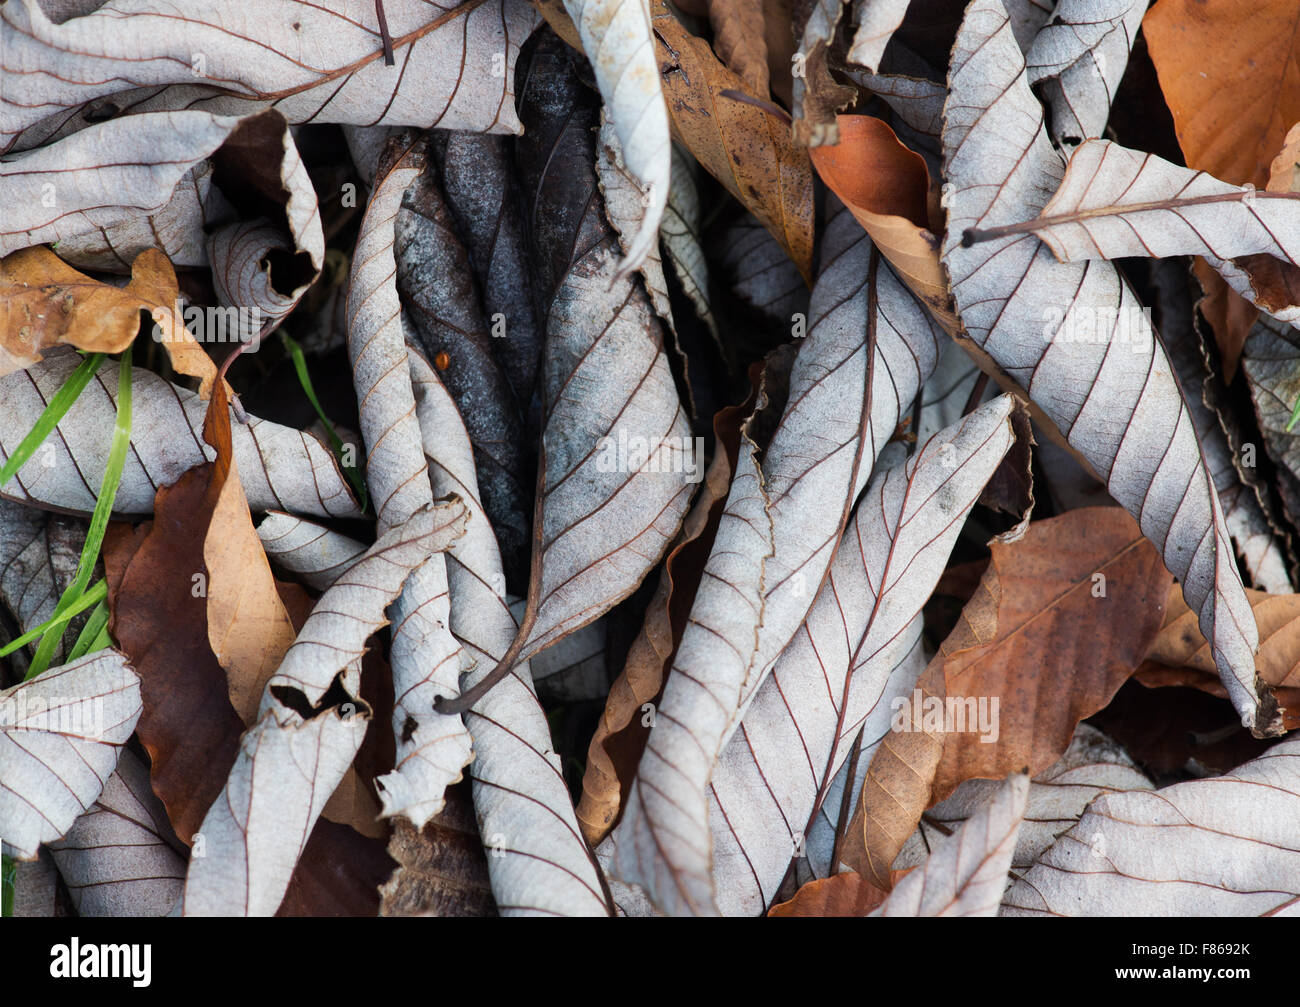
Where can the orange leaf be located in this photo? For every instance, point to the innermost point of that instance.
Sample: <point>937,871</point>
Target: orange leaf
<point>847,894</point>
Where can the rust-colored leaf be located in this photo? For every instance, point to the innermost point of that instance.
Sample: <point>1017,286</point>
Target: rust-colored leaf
<point>887,188</point>
<point>745,148</point>
<point>1230,73</point>
<point>846,894</point>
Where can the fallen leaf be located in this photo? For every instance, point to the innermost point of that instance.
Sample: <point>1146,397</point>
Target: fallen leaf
<point>1011,291</point>
<point>1039,647</point>
<point>833,679</point>
<point>317,554</point>
<point>438,288</point>
<point>60,735</point>
<point>483,193</point>
<point>738,36</point>
<point>432,748</point>
<point>1230,74</point>
<point>538,862</point>
<point>39,554</point>
<point>249,630</point>
<point>817,95</point>
<point>145,162</point>
<point>846,894</point>
<point>1203,847</point>
<point>1093,765</point>
<point>886,187</point>
<point>310,726</point>
<point>683,243</point>
<point>1260,544</point>
<point>319,64</point>
<point>875,21</point>
<point>871,344</point>
<point>617,460</point>
<point>120,858</point>
<point>620,735</point>
<point>1180,646</point>
<point>741,146</point>
<point>280,468</point>
<point>1077,61</point>
<point>47,303</point>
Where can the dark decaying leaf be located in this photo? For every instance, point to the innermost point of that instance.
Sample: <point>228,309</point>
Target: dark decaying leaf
<point>616,455</point>
<point>444,307</point>
<point>483,194</point>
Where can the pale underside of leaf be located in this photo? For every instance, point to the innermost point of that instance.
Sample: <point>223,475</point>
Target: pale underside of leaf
<point>432,748</point>
<point>317,554</point>
<point>876,22</point>
<point>117,860</point>
<point>538,862</point>
<point>313,63</point>
<point>60,735</point>
<point>281,468</point>
<point>773,776</point>
<point>288,767</point>
<point>872,344</point>
<point>1223,846</point>
<point>1003,170</point>
<point>137,163</point>
<point>1078,59</point>
<point>617,41</point>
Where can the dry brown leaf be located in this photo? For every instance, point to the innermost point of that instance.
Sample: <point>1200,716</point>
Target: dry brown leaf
<point>1060,619</point>
<point>896,788</point>
<point>248,628</point>
<point>846,894</point>
<point>44,302</point>
<point>1284,173</point>
<point>1180,656</point>
<point>743,147</point>
<point>1230,73</point>
<point>738,35</point>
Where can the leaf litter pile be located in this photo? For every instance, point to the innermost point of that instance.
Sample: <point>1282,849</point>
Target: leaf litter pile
<point>615,457</point>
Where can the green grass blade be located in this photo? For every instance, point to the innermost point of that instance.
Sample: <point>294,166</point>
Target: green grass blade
<point>1295,416</point>
<point>98,519</point>
<point>95,629</point>
<point>8,875</point>
<point>49,419</point>
<point>352,473</point>
<point>55,623</point>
